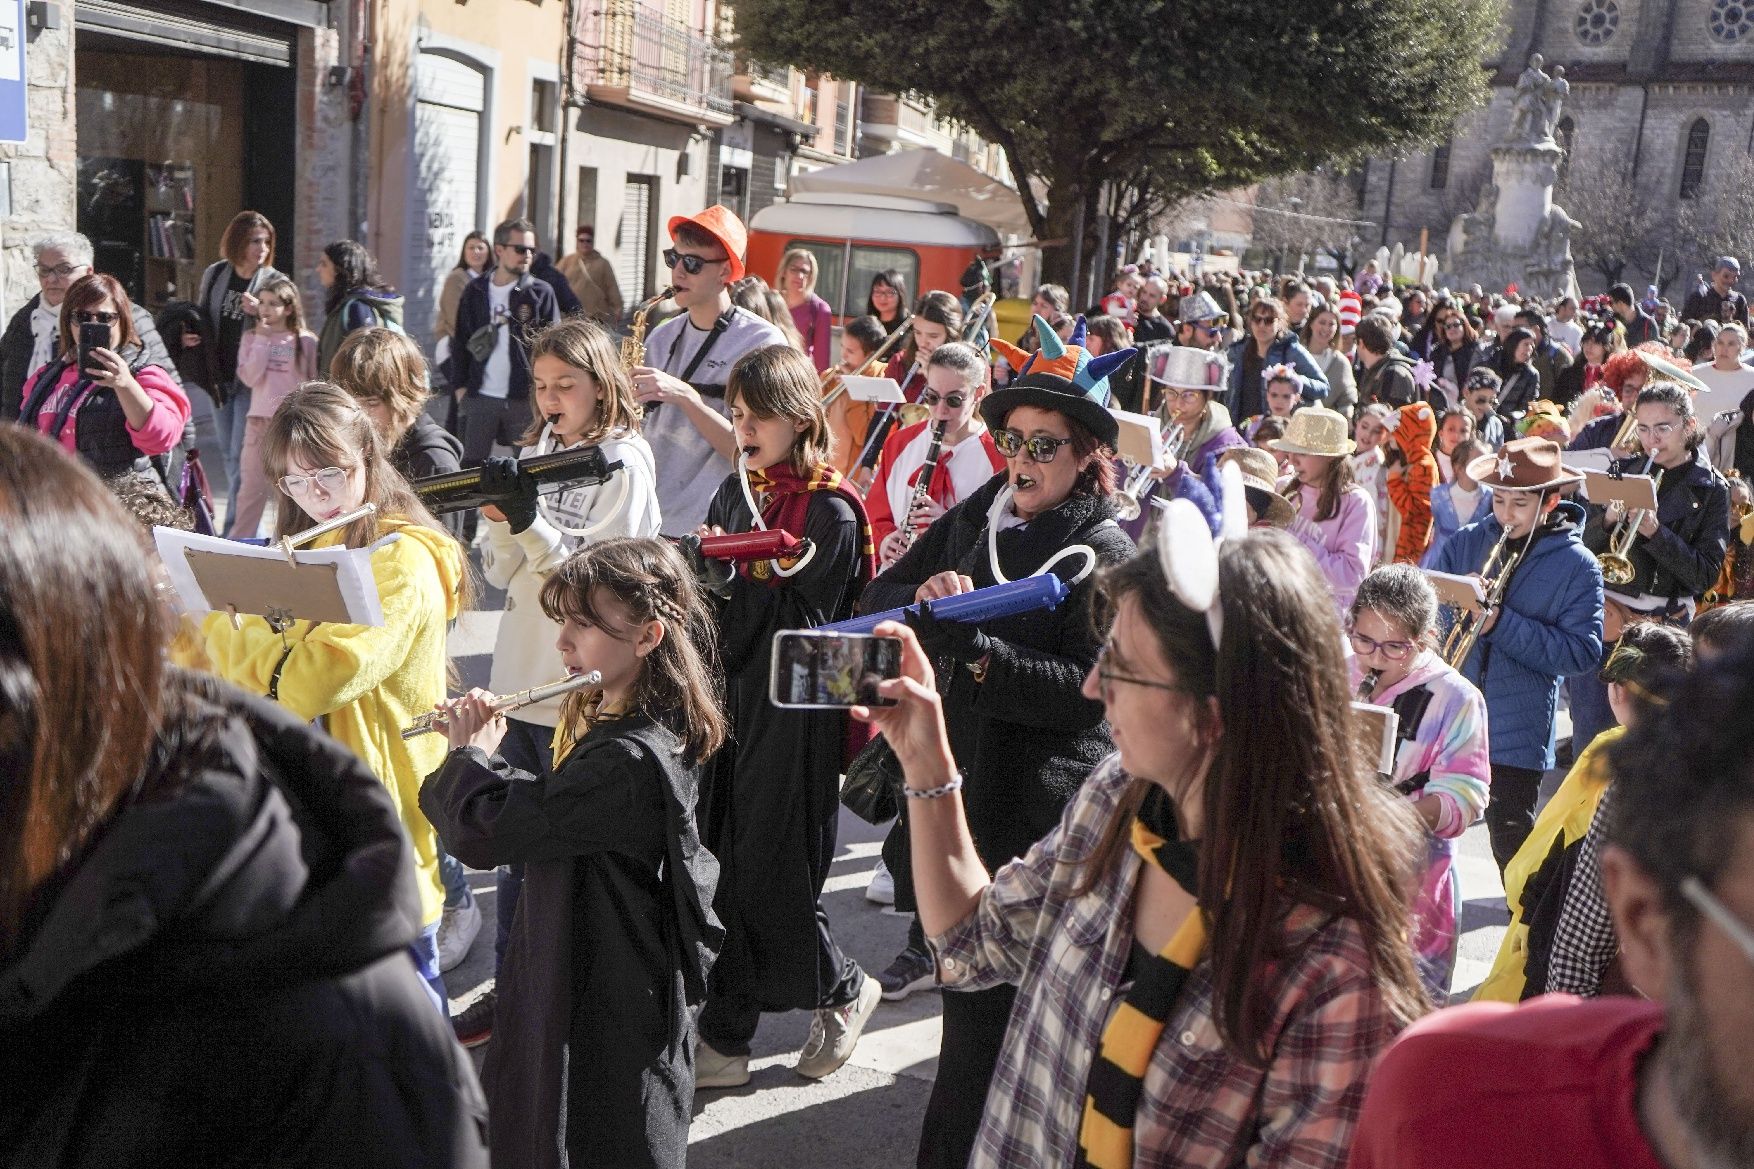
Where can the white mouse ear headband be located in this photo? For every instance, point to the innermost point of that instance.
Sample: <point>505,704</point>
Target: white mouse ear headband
<point>1188,540</point>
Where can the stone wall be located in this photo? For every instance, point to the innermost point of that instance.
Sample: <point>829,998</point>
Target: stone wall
<point>326,206</point>
<point>45,176</point>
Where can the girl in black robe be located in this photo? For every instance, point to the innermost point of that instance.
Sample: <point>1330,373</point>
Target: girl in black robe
<point>773,799</point>
<point>592,1061</point>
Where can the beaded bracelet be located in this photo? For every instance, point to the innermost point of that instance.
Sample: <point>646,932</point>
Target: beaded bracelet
<point>933,793</point>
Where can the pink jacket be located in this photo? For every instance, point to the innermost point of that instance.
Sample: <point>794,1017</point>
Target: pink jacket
<point>273,365</point>
<point>1344,545</point>
<point>161,431</point>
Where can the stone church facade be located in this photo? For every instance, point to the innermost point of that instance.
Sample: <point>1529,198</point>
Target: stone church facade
<point>1663,88</point>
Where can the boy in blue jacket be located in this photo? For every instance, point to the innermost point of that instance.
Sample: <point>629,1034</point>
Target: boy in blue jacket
<point>1547,626</point>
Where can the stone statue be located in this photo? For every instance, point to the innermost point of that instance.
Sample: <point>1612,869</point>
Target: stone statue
<point>1528,113</point>
<point>1558,89</point>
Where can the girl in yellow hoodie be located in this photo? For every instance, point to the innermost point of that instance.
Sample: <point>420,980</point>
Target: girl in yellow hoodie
<point>364,683</point>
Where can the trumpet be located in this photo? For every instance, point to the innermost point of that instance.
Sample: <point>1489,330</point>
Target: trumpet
<point>1495,577</point>
<point>837,378</point>
<point>428,723</point>
<point>1616,562</point>
<point>1626,438</point>
<point>1129,500</point>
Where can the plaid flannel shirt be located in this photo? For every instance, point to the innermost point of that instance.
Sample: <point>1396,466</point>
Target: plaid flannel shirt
<point>1584,941</point>
<point>1200,1106</point>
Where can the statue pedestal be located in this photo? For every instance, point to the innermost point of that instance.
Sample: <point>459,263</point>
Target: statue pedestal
<point>1525,176</point>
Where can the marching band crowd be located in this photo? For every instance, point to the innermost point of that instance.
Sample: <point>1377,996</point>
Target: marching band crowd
<point>1191,897</point>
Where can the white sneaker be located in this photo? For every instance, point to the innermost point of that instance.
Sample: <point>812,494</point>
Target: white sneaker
<point>714,1070</point>
<point>457,932</point>
<point>835,1031</point>
<point>881,888</point>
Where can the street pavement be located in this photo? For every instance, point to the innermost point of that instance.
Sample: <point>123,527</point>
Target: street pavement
<point>868,1113</point>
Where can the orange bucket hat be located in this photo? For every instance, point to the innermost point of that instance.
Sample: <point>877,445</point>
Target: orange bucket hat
<point>723,225</point>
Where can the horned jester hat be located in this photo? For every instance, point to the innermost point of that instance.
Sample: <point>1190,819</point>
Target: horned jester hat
<point>1061,375</point>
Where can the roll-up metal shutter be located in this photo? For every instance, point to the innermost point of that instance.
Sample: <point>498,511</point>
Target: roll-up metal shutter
<point>450,98</point>
<point>262,31</point>
<point>633,242</point>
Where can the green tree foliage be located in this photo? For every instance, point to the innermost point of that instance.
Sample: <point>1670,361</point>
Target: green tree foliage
<point>1172,99</point>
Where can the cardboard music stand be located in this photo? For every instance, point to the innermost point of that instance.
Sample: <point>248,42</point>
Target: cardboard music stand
<point>1141,438</point>
<point>328,584</point>
<point>1378,729</point>
<point>1637,492</point>
<point>872,389</point>
<point>1460,592</point>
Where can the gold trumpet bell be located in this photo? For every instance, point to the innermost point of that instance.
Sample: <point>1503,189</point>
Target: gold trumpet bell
<point>1617,569</point>
<point>912,412</point>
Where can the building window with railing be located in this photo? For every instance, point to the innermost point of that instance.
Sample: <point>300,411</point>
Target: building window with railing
<point>627,47</point>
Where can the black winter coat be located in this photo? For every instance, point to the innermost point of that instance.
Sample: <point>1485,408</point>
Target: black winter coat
<point>1686,555</point>
<point>222,977</point>
<point>1025,738</point>
<point>426,448</point>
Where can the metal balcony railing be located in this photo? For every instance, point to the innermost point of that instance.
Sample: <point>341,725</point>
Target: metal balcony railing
<point>624,45</point>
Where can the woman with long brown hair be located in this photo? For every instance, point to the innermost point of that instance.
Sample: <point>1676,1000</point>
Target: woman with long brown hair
<point>227,297</point>
<point>365,682</point>
<point>1211,947</point>
<point>205,907</point>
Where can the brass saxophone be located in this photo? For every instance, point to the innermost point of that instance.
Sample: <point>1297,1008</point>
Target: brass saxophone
<point>633,346</point>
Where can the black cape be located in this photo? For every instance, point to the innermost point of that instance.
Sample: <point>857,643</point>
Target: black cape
<point>775,790</point>
<point>592,1061</point>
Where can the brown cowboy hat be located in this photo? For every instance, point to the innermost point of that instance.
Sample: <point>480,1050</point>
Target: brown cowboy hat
<point>1524,464</point>
<point>1260,471</point>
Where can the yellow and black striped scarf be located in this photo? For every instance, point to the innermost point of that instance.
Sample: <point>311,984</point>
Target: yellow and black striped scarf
<point>1117,1076</point>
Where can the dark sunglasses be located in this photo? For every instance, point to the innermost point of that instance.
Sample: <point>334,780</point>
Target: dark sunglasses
<point>932,398</point>
<point>691,264</point>
<point>1262,319</point>
<point>1041,447</point>
<point>521,249</point>
<point>85,317</point>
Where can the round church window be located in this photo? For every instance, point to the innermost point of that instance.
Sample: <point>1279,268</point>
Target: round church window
<point>1597,20</point>
<point>1730,20</point>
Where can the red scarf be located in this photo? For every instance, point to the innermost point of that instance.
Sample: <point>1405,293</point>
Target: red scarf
<point>785,502</point>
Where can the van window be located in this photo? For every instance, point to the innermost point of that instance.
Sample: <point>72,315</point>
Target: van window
<point>846,290</point>
<point>867,262</point>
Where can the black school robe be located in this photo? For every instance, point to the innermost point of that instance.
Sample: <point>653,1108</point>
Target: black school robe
<point>1026,737</point>
<point>774,793</point>
<point>592,1060</point>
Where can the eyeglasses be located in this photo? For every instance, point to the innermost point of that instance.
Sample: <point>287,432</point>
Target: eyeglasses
<point>1190,395</point>
<point>86,317</point>
<point>1107,678</point>
<point>329,481</point>
<point>1395,651</point>
<point>521,249</point>
<point>1452,326</point>
<point>1263,319</point>
<point>691,263</point>
<point>1041,447</point>
<point>1707,903</point>
<point>932,398</point>
<point>59,271</point>
<point>1208,330</point>
<point>1657,430</point>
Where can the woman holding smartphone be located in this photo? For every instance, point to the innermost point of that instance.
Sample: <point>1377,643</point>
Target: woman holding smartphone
<point>99,398</point>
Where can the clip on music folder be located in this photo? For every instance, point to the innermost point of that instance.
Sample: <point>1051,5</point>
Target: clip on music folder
<point>872,389</point>
<point>1453,589</point>
<point>1637,492</point>
<point>1141,438</point>
<point>1378,731</point>
<point>213,575</point>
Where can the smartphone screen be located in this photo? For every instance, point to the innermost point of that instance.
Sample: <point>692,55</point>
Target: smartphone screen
<point>92,335</point>
<point>827,671</point>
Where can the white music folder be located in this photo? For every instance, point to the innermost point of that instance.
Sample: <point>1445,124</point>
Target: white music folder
<point>214,575</point>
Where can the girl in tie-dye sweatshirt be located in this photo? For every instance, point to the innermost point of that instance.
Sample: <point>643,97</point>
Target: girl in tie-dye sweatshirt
<point>1442,762</point>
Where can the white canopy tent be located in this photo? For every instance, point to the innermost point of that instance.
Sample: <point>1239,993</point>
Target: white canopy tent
<point>924,174</point>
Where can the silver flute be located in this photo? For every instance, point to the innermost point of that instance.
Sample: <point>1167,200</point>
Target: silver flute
<point>428,723</point>
<point>296,540</point>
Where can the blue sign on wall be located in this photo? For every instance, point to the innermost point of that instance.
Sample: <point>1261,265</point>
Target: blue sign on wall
<point>12,104</point>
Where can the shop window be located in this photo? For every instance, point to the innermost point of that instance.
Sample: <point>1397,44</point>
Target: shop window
<point>866,262</point>
<point>734,190</point>
<point>1693,164</point>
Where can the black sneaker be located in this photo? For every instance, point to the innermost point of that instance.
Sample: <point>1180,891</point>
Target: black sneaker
<point>474,1026</point>
<point>911,971</point>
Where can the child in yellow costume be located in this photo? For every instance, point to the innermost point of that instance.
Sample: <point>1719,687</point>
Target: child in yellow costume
<point>1642,667</point>
<point>364,683</point>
